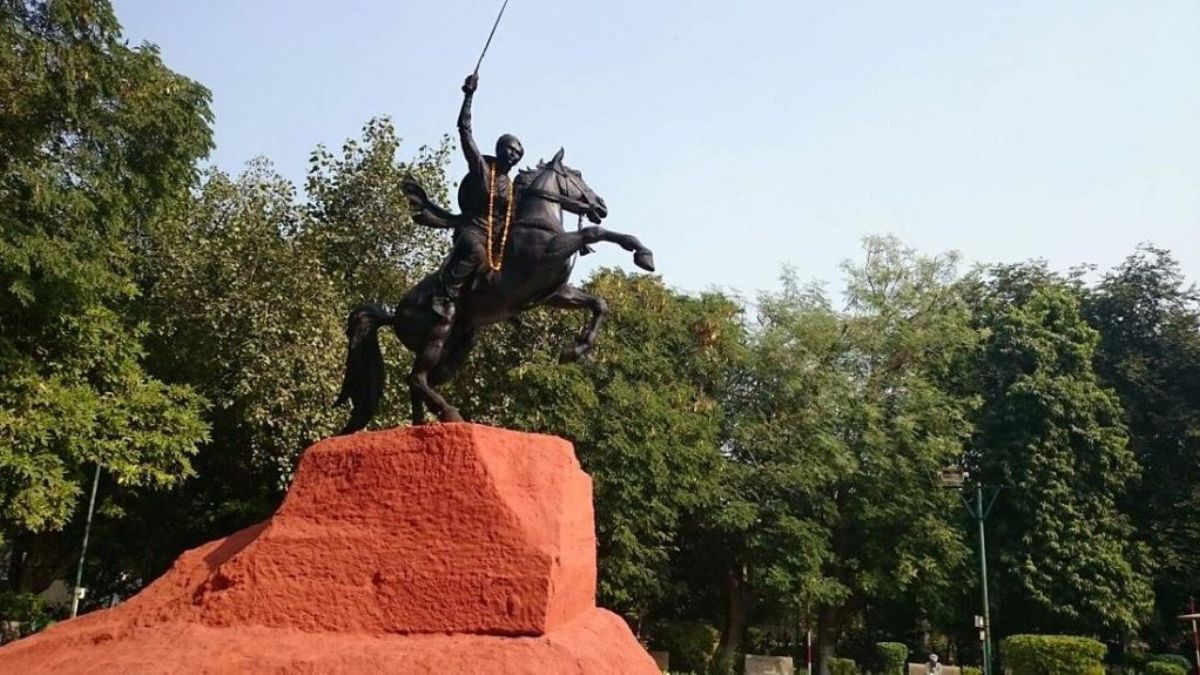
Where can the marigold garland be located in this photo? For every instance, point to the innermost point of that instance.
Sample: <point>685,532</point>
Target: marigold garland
<point>495,261</point>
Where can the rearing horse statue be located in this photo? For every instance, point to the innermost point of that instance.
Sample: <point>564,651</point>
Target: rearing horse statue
<point>535,272</point>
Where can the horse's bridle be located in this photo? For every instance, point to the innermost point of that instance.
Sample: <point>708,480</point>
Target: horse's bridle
<point>562,200</point>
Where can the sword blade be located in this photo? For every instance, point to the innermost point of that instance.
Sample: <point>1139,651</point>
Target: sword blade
<point>489,40</point>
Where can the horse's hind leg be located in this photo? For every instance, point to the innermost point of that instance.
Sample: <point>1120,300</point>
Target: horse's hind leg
<point>570,297</point>
<point>566,244</point>
<point>418,379</point>
<point>454,354</point>
<point>418,405</point>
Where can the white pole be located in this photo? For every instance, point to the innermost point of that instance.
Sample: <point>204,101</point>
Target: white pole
<point>808,647</point>
<point>1196,641</point>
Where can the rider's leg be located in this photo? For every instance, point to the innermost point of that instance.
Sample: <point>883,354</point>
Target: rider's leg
<point>464,261</point>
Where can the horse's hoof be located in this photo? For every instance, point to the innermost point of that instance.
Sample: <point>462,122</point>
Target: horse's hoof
<point>644,260</point>
<point>451,415</point>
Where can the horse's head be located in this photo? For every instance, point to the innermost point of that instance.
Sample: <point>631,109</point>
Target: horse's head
<point>560,183</point>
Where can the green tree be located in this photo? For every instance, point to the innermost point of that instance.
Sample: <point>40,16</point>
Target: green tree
<point>1149,353</point>
<point>838,425</point>
<point>358,219</point>
<point>96,140</point>
<point>644,414</point>
<point>233,290</point>
<point>246,293</point>
<point>897,537</point>
<point>772,519</point>
<point>1050,433</point>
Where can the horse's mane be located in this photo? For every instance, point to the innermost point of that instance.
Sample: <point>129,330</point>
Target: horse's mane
<point>525,177</point>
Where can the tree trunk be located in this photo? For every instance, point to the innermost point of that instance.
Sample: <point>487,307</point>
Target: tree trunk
<point>735,621</point>
<point>16,560</point>
<point>827,631</point>
<point>44,558</point>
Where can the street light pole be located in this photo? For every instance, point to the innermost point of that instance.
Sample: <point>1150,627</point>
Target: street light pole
<point>980,515</point>
<point>956,477</point>
<point>77,592</point>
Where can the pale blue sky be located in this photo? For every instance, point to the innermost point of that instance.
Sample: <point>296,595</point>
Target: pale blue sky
<point>736,137</point>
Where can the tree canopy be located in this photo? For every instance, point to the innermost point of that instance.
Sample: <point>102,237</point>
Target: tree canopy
<point>760,468</point>
<point>97,140</point>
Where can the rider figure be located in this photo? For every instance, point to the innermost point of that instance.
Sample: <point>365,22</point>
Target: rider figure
<point>470,237</point>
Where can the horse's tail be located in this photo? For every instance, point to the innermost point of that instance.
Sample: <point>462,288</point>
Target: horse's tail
<point>362,384</point>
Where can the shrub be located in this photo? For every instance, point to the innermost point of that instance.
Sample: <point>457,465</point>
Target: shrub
<point>1164,668</point>
<point>21,607</point>
<point>971,670</point>
<point>26,611</point>
<point>690,643</point>
<point>892,656</point>
<point>843,667</point>
<point>1176,659</point>
<point>1052,655</point>
<point>767,642</point>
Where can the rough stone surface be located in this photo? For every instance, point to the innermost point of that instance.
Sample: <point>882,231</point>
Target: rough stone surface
<point>452,549</point>
<point>768,665</point>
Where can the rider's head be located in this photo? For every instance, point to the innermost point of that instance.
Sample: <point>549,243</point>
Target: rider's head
<point>509,151</point>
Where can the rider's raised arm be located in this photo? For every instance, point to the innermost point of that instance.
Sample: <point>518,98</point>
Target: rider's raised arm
<point>475,163</point>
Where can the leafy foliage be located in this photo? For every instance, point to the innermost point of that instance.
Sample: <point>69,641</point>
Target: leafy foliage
<point>838,422</point>
<point>1164,668</point>
<point>1053,435</point>
<point>843,667</point>
<point>96,140</point>
<point>253,284</point>
<point>892,656</point>
<point>1173,659</point>
<point>1045,654</point>
<point>1149,353</point>
<point>644,414</point>
<point>690,643</point>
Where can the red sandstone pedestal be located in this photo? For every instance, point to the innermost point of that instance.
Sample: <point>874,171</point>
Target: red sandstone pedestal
<point>453,548</point>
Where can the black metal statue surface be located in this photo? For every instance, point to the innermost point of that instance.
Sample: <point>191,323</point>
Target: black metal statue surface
<point>510,254</point>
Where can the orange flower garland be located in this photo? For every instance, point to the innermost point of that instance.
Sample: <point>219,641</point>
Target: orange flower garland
<point>495,261</point>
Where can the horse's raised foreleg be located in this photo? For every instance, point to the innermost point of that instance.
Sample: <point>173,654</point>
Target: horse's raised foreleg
<point>570,297</point>
<point>418,379</point>
<point>565,245</point>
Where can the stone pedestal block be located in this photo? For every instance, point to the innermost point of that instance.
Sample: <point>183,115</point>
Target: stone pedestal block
<point>453,548</point>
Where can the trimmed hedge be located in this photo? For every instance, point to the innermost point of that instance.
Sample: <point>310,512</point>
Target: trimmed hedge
<point>1181,661</point>
<point>1164,668</point>
<point>1052,655</point>
<point>971,670</point>
<point>892,656</point>
<point>843,667</point>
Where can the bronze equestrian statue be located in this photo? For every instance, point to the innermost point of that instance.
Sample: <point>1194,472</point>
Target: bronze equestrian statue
<point>510,254</point>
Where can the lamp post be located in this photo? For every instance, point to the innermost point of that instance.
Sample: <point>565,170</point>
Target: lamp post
<point>955,477</point>
<point>78,591</point>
